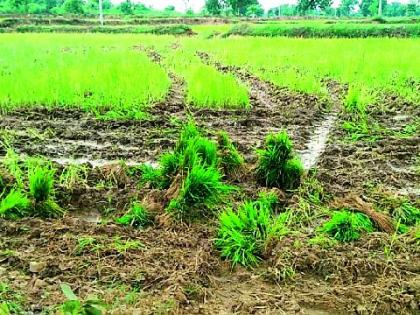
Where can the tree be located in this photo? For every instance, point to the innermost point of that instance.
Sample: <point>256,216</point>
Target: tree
<point>126,7</point>
<point>213,7</point>
<point>346,7</point>
<point>73,6</point>
<point>412,8</point>
<point>255,10</point>
<point>170,8</point>
<point>306,5</point>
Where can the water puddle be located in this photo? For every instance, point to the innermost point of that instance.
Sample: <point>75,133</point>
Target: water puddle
<point>89,216</point>
<point>94,163</point>
<point>317,142</point>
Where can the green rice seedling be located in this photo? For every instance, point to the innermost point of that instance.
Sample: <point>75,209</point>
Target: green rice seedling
<point>346,226</point>
<point>151,175</point>
<point>136,216</point>
<point>41,187</point>
<point>199,151</point>
<point>14,205</point>
<point>277,166</point>
<point>201,190</point>
<point>406,214</point>
<point>189,131</point>
<point>41,182</point>
<point>242,235</point>
<point>123,246</point>
<point>230,160</point>
<point>169,166</point>
<point>356,102</point>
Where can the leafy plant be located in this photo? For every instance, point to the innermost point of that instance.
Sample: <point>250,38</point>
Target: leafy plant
<point>74,306</point>
<point>230,160</point>
<point>14,205</point>
<point>346,226</point>
<point>136,216</point>
<point>277,166</point>
<point>202,188</point>
<point>242,234</point>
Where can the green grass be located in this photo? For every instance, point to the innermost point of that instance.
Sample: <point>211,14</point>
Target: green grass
<point>97,73</point>
<point>346,226</point>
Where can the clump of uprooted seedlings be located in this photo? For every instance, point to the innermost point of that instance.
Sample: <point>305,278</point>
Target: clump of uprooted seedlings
<point>192,173</point>
<point>27,195</point>
<point>277,164</point>
<point>243,234</point>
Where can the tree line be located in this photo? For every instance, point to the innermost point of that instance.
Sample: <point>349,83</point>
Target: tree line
<point>250,8</point>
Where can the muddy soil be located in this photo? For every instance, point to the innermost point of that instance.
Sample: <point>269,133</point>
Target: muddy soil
<point>173,268</point>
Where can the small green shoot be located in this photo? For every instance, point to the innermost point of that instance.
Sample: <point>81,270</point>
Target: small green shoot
<point>14,205</point>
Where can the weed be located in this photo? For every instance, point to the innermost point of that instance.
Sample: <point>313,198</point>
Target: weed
<point>74,306</point>
<point>14,205</point>
<point>202,189</point>
<point>346,226</point>
<point>73,176</point>
<point>277,167</point>
<point>87,242</point>
<point>322,241</point>
<point>122,246</point>
<point>230,160</point>
<point>136,216</point>
<point>11,300</point>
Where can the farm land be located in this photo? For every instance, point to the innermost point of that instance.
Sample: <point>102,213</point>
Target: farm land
<point>220,171</point>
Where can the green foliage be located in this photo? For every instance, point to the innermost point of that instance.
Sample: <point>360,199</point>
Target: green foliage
<point>201,189</point>
<point>136,216</point>
<point>74,306</point>
<point>230,160</point>
<point>277,166</point>
<point>151,175</point>
<point>346,226</point>
<point>14,205</point>
<point>242,234</point>
<point>189,131</point>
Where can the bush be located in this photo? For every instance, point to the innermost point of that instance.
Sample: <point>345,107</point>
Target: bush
<point>137,216</point>
<point>346,226</point>
<point>230,161</point>
<point>14,205</point>
<point>243,234</point>
<point>202,188</point>
<point>277,166</point>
